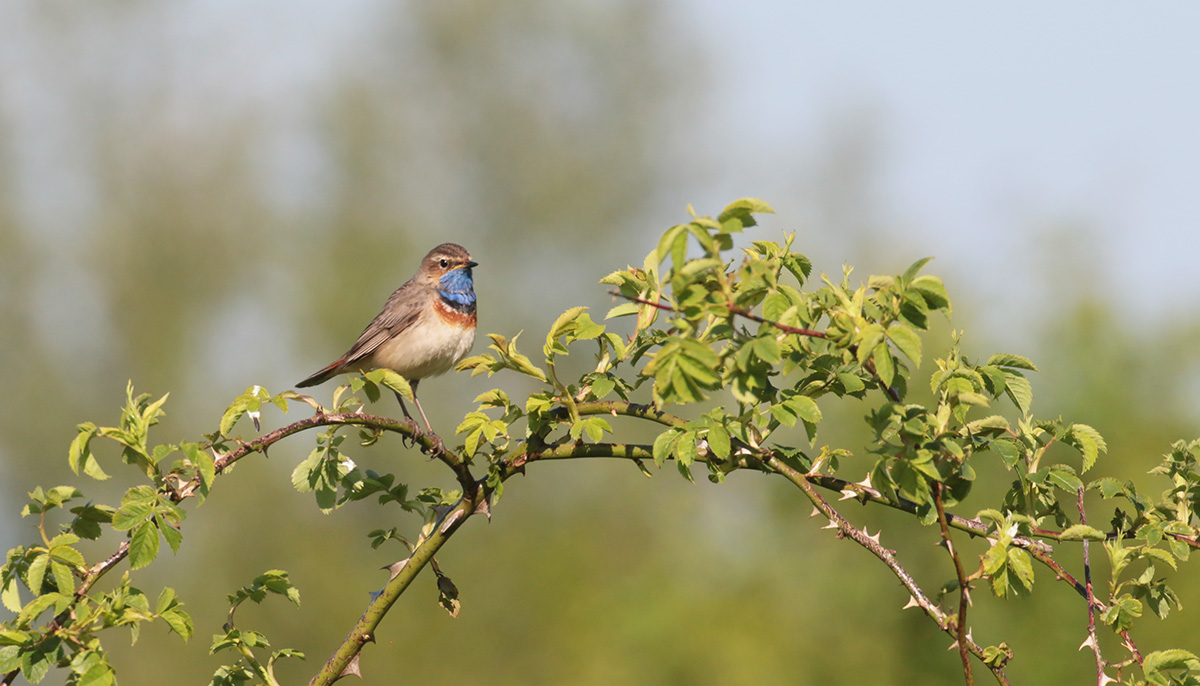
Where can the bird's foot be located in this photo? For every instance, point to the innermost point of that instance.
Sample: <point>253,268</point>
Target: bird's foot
<point>436,447</point>
<point>409,440</point>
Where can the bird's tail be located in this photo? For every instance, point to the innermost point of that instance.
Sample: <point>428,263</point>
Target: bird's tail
<point>324,375</point>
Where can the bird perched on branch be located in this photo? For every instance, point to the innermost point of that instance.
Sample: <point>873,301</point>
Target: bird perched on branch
<point>424,329</point>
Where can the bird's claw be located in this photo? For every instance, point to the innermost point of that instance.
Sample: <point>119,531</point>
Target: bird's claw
<point>410,439</point>
<point>436,447</point>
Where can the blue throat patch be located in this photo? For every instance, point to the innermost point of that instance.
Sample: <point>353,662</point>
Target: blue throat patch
<point>457,287</point>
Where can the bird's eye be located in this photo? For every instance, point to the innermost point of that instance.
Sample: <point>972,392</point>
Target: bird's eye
<point>444,263</point>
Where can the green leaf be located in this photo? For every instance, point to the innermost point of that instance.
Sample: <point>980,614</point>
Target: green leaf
<point>851,382</point>
<point>1120,614</point>
<point>63,578</point>
<point>1021,564</point>
<point>718,442</point>
<point>995,558</point>
<point>914,269</point>
<point>681,368</point>
<point>561,326</point>
<point>11,596</point>
<point>685,450</point>
<point>884,364</point>
<point>664,445</point>
<point>143,545</point>
<point>907,341</point>
<point>13,638</point>
<point>39,605</point>
<point>1010,360</point>
<point>1064,478</point>
<point>673,243</point>
<point>233,413</point>
<point>805,407</point>
<point>1175,658</point>
<point>593,426</point>
<point>80,455</point>
<point>602,386</point>
<point>1018,389</point>
<point>302,475</point>
<point>1158,554</point>
<point>623,310</point>
<point>737,214</point>
<point>96,672</point>
<point>1087,441</point>
<point>206,468</point>
<point>392,381</point>
<point>932,290</point>
<point>869,340</point>
<point>10,658</point>
<point>1081,532</point>
<point>180,622</point>
<point>173,536</point>
<point>37,572</point>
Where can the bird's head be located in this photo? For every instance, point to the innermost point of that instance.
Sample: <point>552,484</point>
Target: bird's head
<point>449,266</point>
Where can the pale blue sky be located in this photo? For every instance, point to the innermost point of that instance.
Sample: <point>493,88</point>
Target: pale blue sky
<point>994,122</point>
<point>997,121</point>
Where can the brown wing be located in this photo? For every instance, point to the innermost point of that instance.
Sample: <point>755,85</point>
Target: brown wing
<point>402,310</point>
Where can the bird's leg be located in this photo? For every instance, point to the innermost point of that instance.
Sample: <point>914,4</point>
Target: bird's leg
<point>400,399</point>
<point>438,445</point>
<point>403,407</point>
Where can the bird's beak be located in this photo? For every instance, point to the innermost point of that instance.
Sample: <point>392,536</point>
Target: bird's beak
<point>471,265</point>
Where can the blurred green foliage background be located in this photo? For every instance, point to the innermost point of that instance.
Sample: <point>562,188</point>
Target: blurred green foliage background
<point>199,208</point>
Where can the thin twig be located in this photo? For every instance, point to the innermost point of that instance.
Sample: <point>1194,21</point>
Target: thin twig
<point>964,591</point>
<point>344,658</point>
<point>888,557</point>
<point>1101,677</point>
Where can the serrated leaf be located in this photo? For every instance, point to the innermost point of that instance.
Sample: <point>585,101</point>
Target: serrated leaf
<point>1064,479</point>
<point>39,605</point>
<point>623,310</point>
<point>718,442</point>
<point>1081,532</point>
<point>1088,442</point>
<point>742,210</point>
<point>805,407</point>
<point>80,454</point>
<point>302,475</point>
<point>179,621</point>
<point>143,545</point>
<point>37,572</point>
<point>884,364</point>
<point>561,326</point>
<point>1021,564</point>
<point>1158,554</point>
<point>664,445</point>
<point>11,596</point>
<point>868,341</point>
<point>232,414</point>
<point>1018,389</point>
<point>64,580</point>
<point>914,269</point>
<point>685,449</point>
<point>933,290</point>
<point>1175,658</point>
<point>994,423</point>
<point>1010,360</point>
<point>907,341</point>
<point>392,381</point>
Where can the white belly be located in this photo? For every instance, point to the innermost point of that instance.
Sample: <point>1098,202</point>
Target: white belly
<point>428,348</point>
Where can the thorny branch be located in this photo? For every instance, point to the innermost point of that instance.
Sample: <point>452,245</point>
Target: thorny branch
<point>1101,677</point>
<point>964,590</point>
<point>888,557</point>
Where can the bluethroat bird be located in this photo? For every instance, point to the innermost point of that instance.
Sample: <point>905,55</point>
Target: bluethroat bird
<point>424,329</point>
